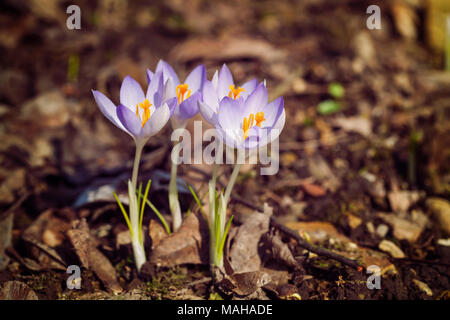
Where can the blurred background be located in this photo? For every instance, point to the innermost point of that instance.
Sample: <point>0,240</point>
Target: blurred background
<point>367,127</point>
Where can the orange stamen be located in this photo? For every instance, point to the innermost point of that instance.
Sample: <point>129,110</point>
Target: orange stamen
<point>259,117</point>
<point>146,106</point>
<point>234,93</point>
<point>181,90</point>
<point>248,122</point>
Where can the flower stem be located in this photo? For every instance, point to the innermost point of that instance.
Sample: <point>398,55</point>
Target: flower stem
<point>233,177</point>
<point>137,244</point>
<point>212,216</point>
<point>174,204</point>
<point>137,159</point>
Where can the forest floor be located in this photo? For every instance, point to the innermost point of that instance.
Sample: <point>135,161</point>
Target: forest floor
<point>364,155</point>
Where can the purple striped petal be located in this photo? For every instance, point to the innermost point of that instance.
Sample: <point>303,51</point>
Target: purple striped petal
<point>129,120</point>
<point>189,107</point>
<point>168,72</point>
<point>224,82</point>
<point>149,75</point>
<point>256,100</point>
<point>156,85</point>
<point>207,112</point>
<point>272,111</point>
<point>107,108</point>
<point>172,104</point>
<point>230,114</point>
<point>169,90</point>
<point>249,87</point>
<point>196,78</point>
<point>209,95</point>
<point>215,79</point>
<point>131,93</point>
<point>156,122</point>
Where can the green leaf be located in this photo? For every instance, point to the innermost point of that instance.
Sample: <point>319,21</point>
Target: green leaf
<point>328,107</point>
<point>336,90</point>
<point>160,217</point>
<point>125,215</point>
<point>139,196</point>
<point>224,236</point>
<point>141,215</point>
<point>197,200</point>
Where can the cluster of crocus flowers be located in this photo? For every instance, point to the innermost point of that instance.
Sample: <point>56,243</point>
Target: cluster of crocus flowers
<point>242,116</point>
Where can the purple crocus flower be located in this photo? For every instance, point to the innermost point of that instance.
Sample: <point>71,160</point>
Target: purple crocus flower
<point>252,122</point>
<point>138,114</point>
<point>221,86</point>
<point>187,94</point>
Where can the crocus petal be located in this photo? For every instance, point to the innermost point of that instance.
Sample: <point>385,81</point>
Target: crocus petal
<point>256,100</point>
<point>107,108</point>
<point>131,93</point>
<point>215,79</point>
<point>248,87</point>
<point>149,75</point>
<point>229,137</point>
<point>207,112</point>
<point>172,103</point>
<point>254,138</point>
<point>170,90</point>
<point>272,111</point>
<point>129,120</point>
<point>230,114</point>
<point>267,135</point>
<point>168,72</point>
<point>196,78</point>
<point>189,107</point>
<point>209,95</point>
<point>156,85</point>
<point>157,100</point>
<point>156,122</point>
<point>224,82</point>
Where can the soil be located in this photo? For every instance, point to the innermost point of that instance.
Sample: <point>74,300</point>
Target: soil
<point>372,168</point>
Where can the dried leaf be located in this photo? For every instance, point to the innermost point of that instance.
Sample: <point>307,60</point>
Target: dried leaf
<point>188,245</point>
<point>16,290</point>
<point>243,254</point>
<point>91,257</point>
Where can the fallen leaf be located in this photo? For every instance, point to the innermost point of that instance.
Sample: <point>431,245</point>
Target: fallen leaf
<point>359,125</point>
<point>6,224</point>
<point>243,253</point>
<point>188,245</point>
<point>16,290</point>
<point>91,257</point>
<point>314,190</point>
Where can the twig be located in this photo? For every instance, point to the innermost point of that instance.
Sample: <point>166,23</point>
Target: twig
<point>293,234</point>
<point>16,205</point>
<point>302,242</point>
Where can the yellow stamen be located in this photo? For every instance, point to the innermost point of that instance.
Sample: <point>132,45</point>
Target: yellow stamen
<point>234,93</point>
<point>146,106</point>
<point>248,122</point>
<point>259,117</point>
<point>181,90</point>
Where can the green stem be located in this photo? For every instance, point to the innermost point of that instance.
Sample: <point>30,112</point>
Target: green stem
<point>230,186</point>
<point>138,247</point>
<point>174,204</point>
<point>137,159</point>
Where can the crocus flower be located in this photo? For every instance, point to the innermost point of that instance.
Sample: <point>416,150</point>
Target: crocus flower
<point>252,122</point>
<point>138,114</point>
<point>187,94</point>
<point>221,86</point>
